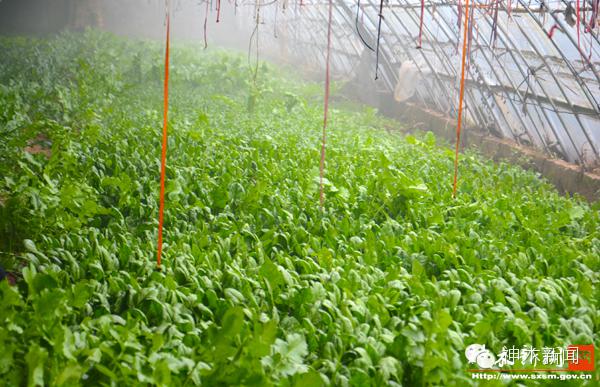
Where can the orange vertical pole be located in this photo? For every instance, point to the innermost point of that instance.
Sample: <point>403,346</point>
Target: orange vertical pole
<point>325,110</point>
<point>163,156</point>
<point>461,98</point>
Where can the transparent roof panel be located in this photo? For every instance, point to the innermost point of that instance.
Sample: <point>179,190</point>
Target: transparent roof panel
<point>530,77</point>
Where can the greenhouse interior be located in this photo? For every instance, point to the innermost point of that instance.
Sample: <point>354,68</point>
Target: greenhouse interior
<point>299,193</point>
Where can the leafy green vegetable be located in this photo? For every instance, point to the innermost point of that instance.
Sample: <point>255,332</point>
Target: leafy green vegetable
<point>386,287</point>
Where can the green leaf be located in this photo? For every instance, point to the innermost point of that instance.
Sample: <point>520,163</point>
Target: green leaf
<point>271,273</point>
<point>389,367</point>
<point>162,373</point>
<point>69,375</point>
<point>309,379</point>
<point>454,298</point>
<point>264,337</point>
<point>235,296</point>
<point>36,362</point>
<point>30,246</point>
<point>443,320</point>
<point>576,213</point>
<point>417,268</point>
<point>232,322</point>
<point>6,357</point>
<point>288,356</point>
<point>106,371</point>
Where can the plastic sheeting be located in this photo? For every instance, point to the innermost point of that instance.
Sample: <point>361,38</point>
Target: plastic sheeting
<point>522,85</point>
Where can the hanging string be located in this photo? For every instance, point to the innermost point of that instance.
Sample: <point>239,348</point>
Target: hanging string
<point>495,24</point>
<point>459,24</point>
<point>592,25</point>
<point>325,110</point>
<point>583,18</point>
<point>358,30</point>
<point>421,24</point>
<point>583,14</point>
<point>163,156</point>
<point>461,97</point>
<point>205,21</point>
<point>552,30</point>
<point>254,78</point>
<point>218,10</point>
<point>254,36</point>
<point>275,21</point>
<point>470,43</point>
<point>589,59</point>
<point>378,37</point>
<point>578,25</point>
<point>542,11</point>
<point>594,17</point>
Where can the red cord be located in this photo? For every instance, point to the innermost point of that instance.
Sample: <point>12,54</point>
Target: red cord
<point>461,98</point>
<point>218,10</point>
<point>325,109</point>
<point>552,30</point>
<point>163,157</point>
